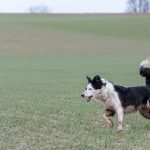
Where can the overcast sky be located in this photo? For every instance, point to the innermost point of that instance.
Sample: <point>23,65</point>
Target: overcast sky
<point>103,6</point>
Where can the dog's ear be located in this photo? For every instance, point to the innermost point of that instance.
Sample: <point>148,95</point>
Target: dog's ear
<point>89,79</point>
<point>97,78</point>
<point>97,82</point>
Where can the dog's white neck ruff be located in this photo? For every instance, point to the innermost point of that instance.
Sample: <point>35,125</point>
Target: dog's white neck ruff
<point>108,95</point>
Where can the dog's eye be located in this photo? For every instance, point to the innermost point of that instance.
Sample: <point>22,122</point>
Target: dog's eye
<point>90,89</point>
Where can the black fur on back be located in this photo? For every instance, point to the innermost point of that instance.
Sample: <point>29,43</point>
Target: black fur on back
<point>134,96</point>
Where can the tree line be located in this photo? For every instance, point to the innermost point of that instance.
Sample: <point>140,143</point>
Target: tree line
<point>138,6</point>
<point>133,6</point>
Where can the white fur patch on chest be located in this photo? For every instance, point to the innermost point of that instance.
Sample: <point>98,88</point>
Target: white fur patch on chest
<point>109,96</point>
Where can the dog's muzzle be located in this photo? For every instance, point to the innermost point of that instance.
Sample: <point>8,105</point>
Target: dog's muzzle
<point>87,98</point>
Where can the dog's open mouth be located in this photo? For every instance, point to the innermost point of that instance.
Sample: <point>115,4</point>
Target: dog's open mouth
<point>89,98</point>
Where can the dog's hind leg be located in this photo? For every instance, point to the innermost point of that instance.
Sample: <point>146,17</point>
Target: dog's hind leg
<point>107,115</point>
<point>145,111</point>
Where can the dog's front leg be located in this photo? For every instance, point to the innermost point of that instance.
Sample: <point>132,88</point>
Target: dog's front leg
<point>107,119</point>
<point>120,115</point>
<point>109,112</point>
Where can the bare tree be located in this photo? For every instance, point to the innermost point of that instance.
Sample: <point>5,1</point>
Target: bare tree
<point>138,6</point>
<point>41,9</point>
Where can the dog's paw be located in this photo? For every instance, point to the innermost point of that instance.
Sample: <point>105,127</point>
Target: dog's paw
<point>111,125</point>
<point>119,129</point>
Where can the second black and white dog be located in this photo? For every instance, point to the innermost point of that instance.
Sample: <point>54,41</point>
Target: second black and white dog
<point>118,99</point>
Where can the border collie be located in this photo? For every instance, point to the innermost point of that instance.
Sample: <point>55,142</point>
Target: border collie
<point>119,99</point>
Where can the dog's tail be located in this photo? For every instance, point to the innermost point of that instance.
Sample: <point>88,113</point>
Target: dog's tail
<point>145,70</point>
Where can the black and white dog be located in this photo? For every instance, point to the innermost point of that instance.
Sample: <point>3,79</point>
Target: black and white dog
<point>118,99</point>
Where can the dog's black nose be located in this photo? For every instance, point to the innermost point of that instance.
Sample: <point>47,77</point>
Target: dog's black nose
<point>82,95</point>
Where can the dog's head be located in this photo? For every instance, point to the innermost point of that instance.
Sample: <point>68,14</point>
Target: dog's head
<point>93,88</point>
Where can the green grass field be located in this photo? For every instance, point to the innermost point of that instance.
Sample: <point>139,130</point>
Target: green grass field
<point>43,64</point>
